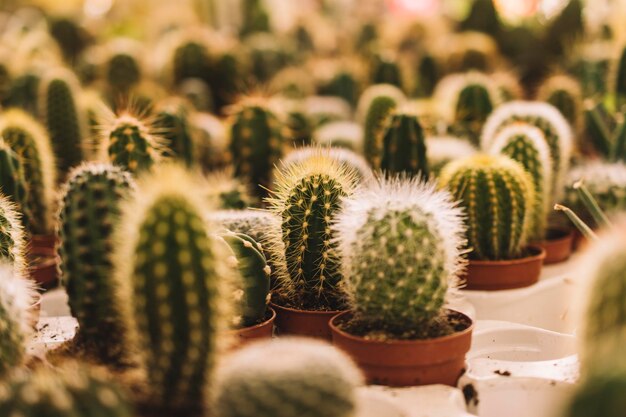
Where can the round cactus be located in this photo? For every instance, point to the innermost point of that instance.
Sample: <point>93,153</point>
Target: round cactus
<point>122,68</point>
<point>404,148</point>
<point>386,70</point>
<point>286,378</point>
<point>12,240</point>
<point>25,136</point>
<point>400,242</point>
<point>227,192</point>
<point>171,119</point>
<point>564,93</point>
<point>307,197</point>
<point>343,156</point>
<point>498,196</point>
<point>88,214</point>
<point>440,150</point>
<point>527,145</point>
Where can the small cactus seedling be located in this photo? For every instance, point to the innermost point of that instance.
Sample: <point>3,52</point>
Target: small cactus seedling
<point>428,73</point>
<point>227,192</point>
<point>307,197</point>
<point>12,182</point>
<point>89,212</point>
<point>171,120</point>
<point>498,196</point>
<point>342,156</point>
<point>23,93</point>
<point>526,144</point>
<point>191,59</point>
<point>404,148</point>
<point>27,138</point>
<point>564,93</point>
<point>400,241</point>
<point>72,390</point>
<point>440,150</point>
<point>286,378</point>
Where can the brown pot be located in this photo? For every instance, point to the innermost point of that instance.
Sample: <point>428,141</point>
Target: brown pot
<point>43,241</point>
<point>558,245</point>
<point>43,264</point>
<point>290,321</point>
<point>580,241</point>
<point>505,275</point>
<point>401,363</point>
<point>252,333</point>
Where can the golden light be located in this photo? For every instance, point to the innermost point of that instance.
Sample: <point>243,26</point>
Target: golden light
<point>416,7</point>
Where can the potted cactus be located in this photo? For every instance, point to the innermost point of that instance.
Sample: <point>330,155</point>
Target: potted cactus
<point>498,196</point>
<point>401,243</point>
<point>403,146</point>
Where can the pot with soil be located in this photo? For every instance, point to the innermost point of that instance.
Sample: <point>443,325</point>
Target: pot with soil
<point>308,323</point>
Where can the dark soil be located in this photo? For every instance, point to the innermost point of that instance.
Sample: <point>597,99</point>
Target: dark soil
<point>309,305</point>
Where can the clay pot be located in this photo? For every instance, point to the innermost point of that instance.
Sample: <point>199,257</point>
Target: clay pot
<point>290,321</point>
<point>43,264</point>
<point>43,241</point>
<point>401,363</point>
<point>252,333</point>
<point>558,245</point>
<point>505,275</point>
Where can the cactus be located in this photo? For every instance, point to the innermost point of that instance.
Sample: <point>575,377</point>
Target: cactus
<point>404,148</point>
<point>343,156</point>
<point>599,396</point>
<point>546,117</point>
<point>375,122</point>
<point>12,240</point>
<point>72,390</point>
<point>256,143</point>
<point>323,110</point>
<point>23,93</point>
<point>620,79</point>
<point>89,211</point>
<point>607,131</point>
<point>12,182</point>
<point>401,242</point>
<point>268,54</point>
<point>440,150</point>
<point>427,76</point>
<point>344,85</point>
<point>498,195</point>
<point>307,197</point>
<point>348,135</point>
<point>122,69</point>
<point>71,37</point>
<point>176,286</point>
<point>228,192</point>
<point>315,380</point>
<point>63,117</point>
<point>385,70</point>
<point>255,274</point>
<point>371,93</point>
<point>130,143</point>
<point>526,144</point>
<point>211,141</point>
<point>17,296</point>
<point>255,17</point>
<point>564,93</point>
<point>25,136</point>
<point>198,93</point>
<point>171,119</point>
<point>191,59</point>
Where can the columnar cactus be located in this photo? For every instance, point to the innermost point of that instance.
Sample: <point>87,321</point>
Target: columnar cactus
<point>343,156</point>
<point>13,183</point>
<point>171,120</point>
<point>440,150</point>
<point>285,378</point>
<point>122,69</point>
<point>191,59</point>
<point>385,70</point>
<point>404,148</point>
<point>29,141</point>
<point>23,93</point>
<point>256,143</point>
<point>498,196</point>
<point>255,17</point>
<point>527,145</point>
<point>376,119</point>
<point>63,117</point>
<point>400,242</point>
<point>88,214</point>
<point>72,390</point>
<point>371,93</point>
<point>564,93</point>
<point>176,272</point>
<point>428,73</point>
<point>227,192</point>
<point>307,197</point>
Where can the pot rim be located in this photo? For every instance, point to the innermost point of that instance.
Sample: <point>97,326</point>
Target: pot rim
<point>312,312</point>
<point>262,324</point>
<point>423,342</point>
<point>539,253</point>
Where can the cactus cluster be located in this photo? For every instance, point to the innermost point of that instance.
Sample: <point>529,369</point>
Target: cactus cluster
<point>498,196</point>
<point>400,241</point>
<point>403,146</point>
<point>285,378</point>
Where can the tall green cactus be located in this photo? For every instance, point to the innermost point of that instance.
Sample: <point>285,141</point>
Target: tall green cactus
<point>63,117</point>
<point>12,182</point>
<point>377,116</point>
<point>177,272</point>
<point>89,212</point>
<point>400,242</point>
<point>564,93</point>
<point>123,72</point>
<point>255,17</point>
<point>307,197</point>
<point>498,196</point>
<point>385,70</point>
<point>404,148</point>
<point>29,141</point>
<point>317,380</point>
<point>527,145</point>
<point>428,73</point>
<point>172,121</point>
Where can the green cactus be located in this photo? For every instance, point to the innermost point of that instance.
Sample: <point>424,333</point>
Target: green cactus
<point>122,72</point>
<point>427,76</point>
<point>307,197</point>
<point>130,144</point>
<point>72,390</point>
<point>255,17</point>
<point>400,242</point>
<point>606,131</point>
<point>343,156</point>
<point>404,148</point>
<point>440,150</point>
<point>211,141</point>
<point>23,93</point>
<point>171,118</point>
<point>177,273</point>
<point>599,396</point>
<point>255,274</point>
<point>13,183</point>
<point>71,37</point>
<point>377,115</point>
<point>267,55</point>
<point>191,59</point>
<point>386,70</point>
<point>527,145</point>
<point>256,143</point>
<point>620,79</point>
<point>498,195</point>
<point>12,240</point>
<point>317,380</point>
<point>198,93</point>
<point>27,138</point>
<point>89,212</point>
<point>344,85</point>
<point>227,192</point>
<point>564,93</point>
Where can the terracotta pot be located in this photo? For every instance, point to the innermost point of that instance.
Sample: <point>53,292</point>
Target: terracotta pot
<point>558,245</point>
<point>580,241</point>
<point>43,263</point>
<point>43,241</point>
<point>252,333</point>
<point>290,321</point>
<point>505,275</point>
<point>401,363</point>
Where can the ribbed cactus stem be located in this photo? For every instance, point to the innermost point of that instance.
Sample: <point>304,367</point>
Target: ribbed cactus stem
<point>577,221</point>
<point>377,115</point>
<point>404,148</point>
<point>592,205</point>
<point>191,59</point>
<point>172,121</point>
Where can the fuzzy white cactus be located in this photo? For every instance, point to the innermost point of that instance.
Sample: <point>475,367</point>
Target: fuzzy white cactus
<point>341,155</point>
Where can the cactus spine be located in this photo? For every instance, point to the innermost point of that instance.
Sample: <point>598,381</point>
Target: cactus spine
<point>307,198</point>
<point>526,144</point>
<point>172,121</point>
<point>191,59</point>
<point>316,380</point>
<point>13,183</point>
<point>498,196</point>
<point>404,148</point>
<point>400,242</point>
<point>12,240</point>
<point>385,70</point>
<point>89,212</point>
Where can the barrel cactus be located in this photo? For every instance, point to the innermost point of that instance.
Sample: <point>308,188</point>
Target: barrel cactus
<point>526,144</point>
<point>171,119</point>
<point>191,59</point>
<point>88,214</point>
<point>371,93</point>
<point>307,197</point>
<point>122,68</point>
<point>343,156</point>
<point>404,147</point>
<point>176,273</point>
<point>386,70</point>
<point>440,150</point>
<point>285,378</point>
<point>498,196</point>
<point>564,93</point>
